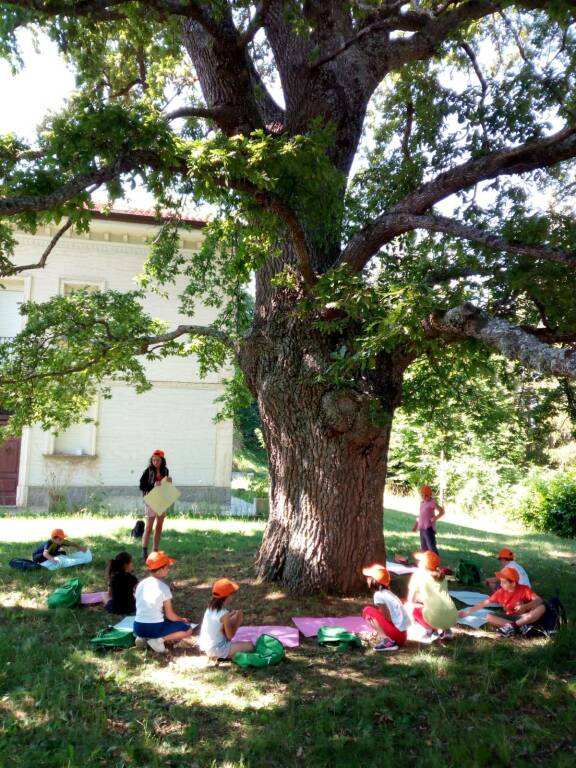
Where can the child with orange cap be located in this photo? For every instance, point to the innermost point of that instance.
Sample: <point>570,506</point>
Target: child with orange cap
<point>427,519</point>
<point>153,475</point>
<point>506,558</point>
<point>219,625</point>
<point>522,606</point>
<point>432,606</point>
<point>387,616</point>
<point>51,549</point>
<point>156,621</point>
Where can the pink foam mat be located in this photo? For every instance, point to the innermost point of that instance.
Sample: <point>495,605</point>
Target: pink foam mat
<point>309,625</point>
<point>93,598</point>
<point>288,636</point>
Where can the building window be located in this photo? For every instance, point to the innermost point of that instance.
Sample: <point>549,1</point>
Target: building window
<point>77,440</point>
<point>69,286</point>
<point>11,298</point>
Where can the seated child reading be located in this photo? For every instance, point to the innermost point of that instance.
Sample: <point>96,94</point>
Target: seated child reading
<point>387,616</point>
<point>219,624</point>
<point>121,584</point>
<point>156,621</point>
<point>51,549</point>
<point>432,606</point>
<point>506,558</point>
<point>522,606</point>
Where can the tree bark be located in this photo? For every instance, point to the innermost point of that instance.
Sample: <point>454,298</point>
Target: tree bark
<point>327,450</point>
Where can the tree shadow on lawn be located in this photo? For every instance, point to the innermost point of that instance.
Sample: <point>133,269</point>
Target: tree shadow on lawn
<point>473,702</point>
<point>478,700</point>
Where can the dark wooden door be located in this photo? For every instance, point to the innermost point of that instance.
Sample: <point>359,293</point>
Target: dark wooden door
<point>9,463</point>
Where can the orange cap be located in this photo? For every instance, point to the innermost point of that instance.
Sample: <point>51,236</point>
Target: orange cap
<point>158,560</point>
<point>508,573</point>
<point>507,554</point>
<point>158,452</point>
<point>426,490</point>
<point>378,573</point>
<point>57,533</point>
<point>224,588</point>
<point>430,560</point>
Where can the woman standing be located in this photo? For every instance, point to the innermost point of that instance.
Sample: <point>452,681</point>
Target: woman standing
<point>152,476</point>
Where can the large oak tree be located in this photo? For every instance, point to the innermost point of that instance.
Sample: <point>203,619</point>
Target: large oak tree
<point>398,175</point>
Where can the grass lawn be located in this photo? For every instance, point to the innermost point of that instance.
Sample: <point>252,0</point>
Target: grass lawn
<point>478,700</point>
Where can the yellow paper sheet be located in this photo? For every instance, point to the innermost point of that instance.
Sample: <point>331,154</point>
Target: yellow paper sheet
<point>161,497</point>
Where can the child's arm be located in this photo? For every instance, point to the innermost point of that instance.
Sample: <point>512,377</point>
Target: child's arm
<point>48,556</point>
<point>467,611</point>
<point>171,614</point>
<point>231,622</point>
<point>439,509</point>
<point>75,545</point>
<point>525,607</point>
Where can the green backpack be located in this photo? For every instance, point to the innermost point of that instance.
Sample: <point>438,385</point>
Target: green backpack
<point>338,637</point>
<point>66,596</point>
<point>113,638</point>
<point>268,652</point>
<point>467,573</point>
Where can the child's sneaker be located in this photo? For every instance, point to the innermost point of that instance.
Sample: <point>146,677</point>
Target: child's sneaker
<point>508,630</point>
<point>445,634</point>
<point>140,642</point>
<point>526,630</point>
<point>386,645</point>
<point>157,644</point>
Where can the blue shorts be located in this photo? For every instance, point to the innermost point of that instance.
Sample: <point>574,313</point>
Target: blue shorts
<point>159,628</point>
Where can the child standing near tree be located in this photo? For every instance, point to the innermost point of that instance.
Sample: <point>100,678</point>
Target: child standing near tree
<point>155,473</point>
<point>429,514</point>
<point>220,624</point>
<point>387,616</point>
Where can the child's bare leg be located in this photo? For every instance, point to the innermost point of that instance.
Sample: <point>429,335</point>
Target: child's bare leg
<point>147,532</point>
<point>240,647</point>
<point>497,621</point>
<point>175,636</point>
<point>158,532</point>
<point>531,616</point>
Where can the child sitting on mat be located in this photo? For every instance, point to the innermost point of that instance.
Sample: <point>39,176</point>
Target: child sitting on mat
<point>156,622</point>
<point>522,606</point>
<point>219,624</point>
<point>121,584</point>
<point>387,616</point>
<point>51,549</point>
<point>506,558</point>
<point>432,606</point>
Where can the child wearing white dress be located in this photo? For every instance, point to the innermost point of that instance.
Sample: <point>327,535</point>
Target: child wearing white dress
<point>219,624</point>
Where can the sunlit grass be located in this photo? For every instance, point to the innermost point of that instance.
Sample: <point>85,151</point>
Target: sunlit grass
<point>477,701</point>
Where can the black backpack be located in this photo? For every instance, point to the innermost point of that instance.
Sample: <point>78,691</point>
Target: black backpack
<point>557,606</point>
<point>138,530</point>
<point>22,564</point>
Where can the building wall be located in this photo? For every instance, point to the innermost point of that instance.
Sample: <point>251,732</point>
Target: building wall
<point>105,461</point>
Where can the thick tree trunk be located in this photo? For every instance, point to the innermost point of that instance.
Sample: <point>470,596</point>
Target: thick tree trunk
<point>327,457</point>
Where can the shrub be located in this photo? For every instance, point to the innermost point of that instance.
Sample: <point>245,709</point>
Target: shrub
<point>549,504</point>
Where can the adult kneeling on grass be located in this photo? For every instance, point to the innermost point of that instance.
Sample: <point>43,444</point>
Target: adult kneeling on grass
<point>156,622</point>
<point>523,607</point>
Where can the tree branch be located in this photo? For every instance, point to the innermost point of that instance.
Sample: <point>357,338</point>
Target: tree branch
<point>48,250</point>
<point>511,160</point>
<point>256,23</point>
<point>184,330</point>
<point>511,341</point>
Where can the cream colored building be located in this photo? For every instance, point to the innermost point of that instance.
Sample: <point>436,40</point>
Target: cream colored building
<point>101,463</point>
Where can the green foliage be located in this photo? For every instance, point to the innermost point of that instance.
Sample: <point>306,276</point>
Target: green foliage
<point>548,503</point>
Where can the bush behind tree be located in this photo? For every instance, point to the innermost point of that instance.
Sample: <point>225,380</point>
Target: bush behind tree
<point>549,503</point>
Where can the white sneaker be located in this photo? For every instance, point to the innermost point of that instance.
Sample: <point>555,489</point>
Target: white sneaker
<point>140,642</point>
<point>157,644</point>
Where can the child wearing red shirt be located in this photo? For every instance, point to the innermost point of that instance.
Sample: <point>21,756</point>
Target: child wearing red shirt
<point>523,607</point>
